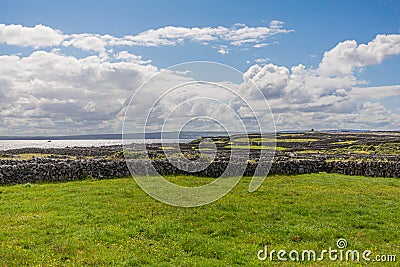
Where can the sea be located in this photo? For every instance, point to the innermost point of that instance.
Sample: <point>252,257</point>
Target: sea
<point>15,144</point>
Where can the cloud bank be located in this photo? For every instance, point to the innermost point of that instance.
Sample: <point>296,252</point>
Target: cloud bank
<point>53,91</point>
<point>331,97</point>
<point>237,35</point>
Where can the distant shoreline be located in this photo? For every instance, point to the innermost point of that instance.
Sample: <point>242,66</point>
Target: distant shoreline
<point>166,135</point>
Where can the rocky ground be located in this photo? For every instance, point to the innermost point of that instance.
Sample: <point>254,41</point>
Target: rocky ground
<point>343,146</point>
<point>356,146</point>
<point>367,154</point>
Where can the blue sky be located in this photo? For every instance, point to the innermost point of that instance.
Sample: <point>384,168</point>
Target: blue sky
<point>308,29</point>
<point>317,25</point>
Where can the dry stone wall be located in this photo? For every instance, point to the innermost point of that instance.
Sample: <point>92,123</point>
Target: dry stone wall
<point>54,170</point>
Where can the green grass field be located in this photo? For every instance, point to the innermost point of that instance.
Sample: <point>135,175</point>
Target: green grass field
<point>255,147</point>
<point>114,223</point>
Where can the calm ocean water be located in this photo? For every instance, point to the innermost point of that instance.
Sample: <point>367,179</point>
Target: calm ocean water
<point>14,144</point>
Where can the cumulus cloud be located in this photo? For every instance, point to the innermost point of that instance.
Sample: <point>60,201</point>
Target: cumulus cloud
<point>87,42</point>
<point>237,35</point>
<point>37,36</point>
<point>376,115</point>
<point>330,96</point>
<point>376,92</point>
<point>271,79</point>
<point>347,55</point>
<point>125,55</point>
<point>223,50</point>
<point>58,93</point>
<point>299,88</point>
<point>73,93</point>
<point>369,116</point>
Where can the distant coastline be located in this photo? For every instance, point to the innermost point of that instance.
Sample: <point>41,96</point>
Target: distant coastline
<point>155,135</point>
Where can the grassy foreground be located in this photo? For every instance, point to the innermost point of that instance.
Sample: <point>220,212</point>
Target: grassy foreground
<point>113,222</point>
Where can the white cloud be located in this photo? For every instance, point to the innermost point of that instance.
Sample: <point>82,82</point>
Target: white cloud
<point>125,55</point>
<point>223,50</point>
<point>328,97</point>
<point>262,60</point>
<point>37,36</point>
<point>57,93</point>
<point>376,115</point>
<point>74,94</point>
<point>87,42</point>
<point>270,79</point>
<point>260,45</point>
<point>299,88</point>
<point>375,92</point>
<point>347,55</point>
<point>237,35</point>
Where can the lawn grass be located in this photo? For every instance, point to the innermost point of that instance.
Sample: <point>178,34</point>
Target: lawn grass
<point>255,147</point>
<point>167,148</point>
<point>297,140</point>
<point>347,142</point>
<point>253,139</point>
<point>114,223</point>
<point>28,156</point>
<point>269,140</point>
<point>385,148</point>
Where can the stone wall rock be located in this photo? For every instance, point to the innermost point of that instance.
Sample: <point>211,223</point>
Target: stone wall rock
<point>54,170</point>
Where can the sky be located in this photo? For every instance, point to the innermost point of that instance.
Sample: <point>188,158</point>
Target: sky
<point>71,67</point>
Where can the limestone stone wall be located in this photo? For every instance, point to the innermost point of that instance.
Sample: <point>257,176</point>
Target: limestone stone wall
<point>52,170</point>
